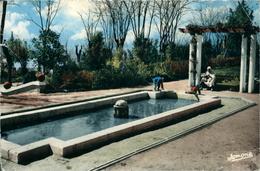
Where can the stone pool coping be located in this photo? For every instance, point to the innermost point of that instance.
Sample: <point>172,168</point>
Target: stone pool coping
<point>24,87</point>
<point>49,146</point>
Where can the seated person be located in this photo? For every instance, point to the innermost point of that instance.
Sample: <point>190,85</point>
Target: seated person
<point>158,82</point>
<point>208,79</point>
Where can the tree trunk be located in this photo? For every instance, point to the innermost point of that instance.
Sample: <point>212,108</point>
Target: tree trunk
<point>3,5</point>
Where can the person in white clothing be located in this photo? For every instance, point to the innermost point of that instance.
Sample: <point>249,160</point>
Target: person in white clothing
<point>208,79</point>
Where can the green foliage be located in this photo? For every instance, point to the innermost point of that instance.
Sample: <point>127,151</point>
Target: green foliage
<point>177,52</point>
<point>242,16</point>
<point>9,63</point>
<point>117,58</point>
<point>48,51</point>
<point>227,71</point>
<point>207,54</point>
<point>96,54</point>
<point>81,80</point>
<point>20,54</point>
<point>69,67</point>
<point>227,77</point>
<point>145,49</point>
<point>221,61</point>
<point>143,70</point>
<point>126,76</point>
<point>105,78</point>
<point>29,76</point>
<point>171,70</point>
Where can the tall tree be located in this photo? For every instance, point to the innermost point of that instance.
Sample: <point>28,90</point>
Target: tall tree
<point>207,16</point>
<point>90,24</point>
<point>106,24</point>
<point>141,15</point>
<point>116,10</point>
<point>242,16</point>
<point>46,11</point>
<point>145,49</point>
<point>167,16</point>
<point>96,54</point>
<point>48,51</point>
<point>20,53</point>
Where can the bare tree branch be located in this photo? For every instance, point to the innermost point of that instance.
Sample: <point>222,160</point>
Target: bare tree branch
<point>46,11</point>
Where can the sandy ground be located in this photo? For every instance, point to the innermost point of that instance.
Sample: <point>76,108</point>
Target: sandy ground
<point>209,148</point>
<point>206,149</point>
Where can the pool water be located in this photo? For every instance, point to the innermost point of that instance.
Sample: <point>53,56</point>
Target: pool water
<point>90,122</point>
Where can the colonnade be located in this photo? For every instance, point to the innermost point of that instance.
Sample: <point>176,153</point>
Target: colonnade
<point>195,62</point>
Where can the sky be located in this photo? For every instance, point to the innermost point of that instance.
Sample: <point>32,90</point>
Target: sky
<point>69,24</point>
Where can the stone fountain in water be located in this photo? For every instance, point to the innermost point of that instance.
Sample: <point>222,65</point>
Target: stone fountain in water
<point>121,109</point>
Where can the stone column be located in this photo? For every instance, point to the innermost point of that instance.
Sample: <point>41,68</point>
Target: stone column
<point>243,64</point>
<point>252,64</point>
<point>192,61</point>
<point>198,57</point>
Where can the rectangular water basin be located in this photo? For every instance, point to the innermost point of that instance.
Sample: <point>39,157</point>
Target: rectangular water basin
<point>90,122</point>
<point>76,132</point>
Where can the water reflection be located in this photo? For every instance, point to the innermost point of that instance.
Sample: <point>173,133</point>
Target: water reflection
<point>86,123</point>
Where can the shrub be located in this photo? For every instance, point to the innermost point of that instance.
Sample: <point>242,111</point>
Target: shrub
<point>81,80</point>
<point>126,76</point>
<point>221,61</point>
<point>29,76</point>
<point>104,78</point>
<point>181,69</point>
<point>171,70</point>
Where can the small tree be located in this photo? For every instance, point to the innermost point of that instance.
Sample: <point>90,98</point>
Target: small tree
<point>116,11</point>
<point>96,54</point>
<point>145,49</point>
<point>48,51</point>
<point>9,62</point>
<point>20,52</point>
<point>242,16</point>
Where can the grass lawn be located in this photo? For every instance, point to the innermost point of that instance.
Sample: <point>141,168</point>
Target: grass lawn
<point>227,78</point>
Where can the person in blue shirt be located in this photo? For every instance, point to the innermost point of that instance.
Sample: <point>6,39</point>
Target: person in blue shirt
<point>158,83</point>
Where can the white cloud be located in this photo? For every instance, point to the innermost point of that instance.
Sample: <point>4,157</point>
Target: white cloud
<point>21,30</point>
<point>182,38</point>
<point>256,16</point>
<point>130,37</point>
<point>72,8</point>
<point>68,17</point>
<point>79,36</point>
<point>57,28</point>
<point>16,23</point>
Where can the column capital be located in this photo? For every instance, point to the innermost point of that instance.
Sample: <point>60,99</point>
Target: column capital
<point>199,37</point>
<point>253,36</point>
